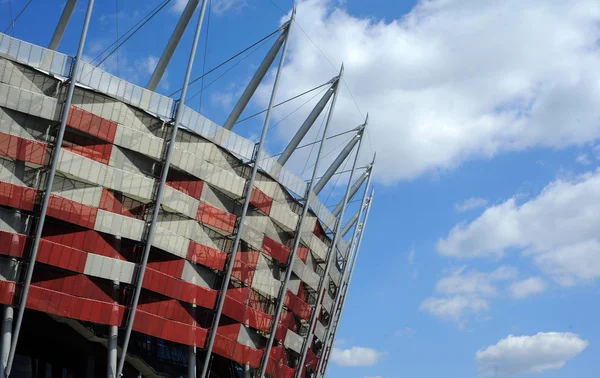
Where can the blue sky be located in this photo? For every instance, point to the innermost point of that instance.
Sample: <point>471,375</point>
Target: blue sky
<point>496,102</point>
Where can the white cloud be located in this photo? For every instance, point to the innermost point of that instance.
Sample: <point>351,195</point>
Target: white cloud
<point>407,331</point>
<point>356,356</point>
<point>411,256</point>
<point>465,293</point>
<point>583,159</point>
<point>558,228</point>
<point>455,307</point>
<point>527,287</point>
<point>470,204</point>
<point>453,80</point>
<point>218,6</point>
<point>529,354</point>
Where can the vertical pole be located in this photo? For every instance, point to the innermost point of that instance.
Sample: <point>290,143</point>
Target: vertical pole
<point>48,191</point>
<point>297,238</point>
<point>7,321</point>
<point>332,254</point>
<point>168,52</point>
<point>59,32</point>
<point>192,351</point>
<point>160,190</point>
<point>257,78</point>
<point>350,259</point>
<point>112,351</point>
<point>236,243</point>
<point>360,238</point>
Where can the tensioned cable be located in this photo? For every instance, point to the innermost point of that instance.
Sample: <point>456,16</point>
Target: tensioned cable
<point>316,139</point>
<point>226,71</point>
<point>12,20</point>
<point>12,24</point>
<point>284,102</point>
<point>205,54</point>
<point>330,152</point>
<point>153,13</point>
<point>271,128</point>
<point>117,22</point>
<point>262,40</point>
<point>312,143</point>
<point>337,180</point>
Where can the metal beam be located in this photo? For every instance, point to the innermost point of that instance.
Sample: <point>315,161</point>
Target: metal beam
<point>167,54</point>
<point>346,273</point>
<point>339,160</point>
<point>7,321</point>
<point>63,22</point>
<point>297,237</point>
<point>310,120</point>
<point>360,238</point>
<point>354,189</point>
<point>351,223</point>
<point>257,156</point>
<point>49,182</point>
<point>332,254</point>
<point>160,190</point>
<point>257,78</point>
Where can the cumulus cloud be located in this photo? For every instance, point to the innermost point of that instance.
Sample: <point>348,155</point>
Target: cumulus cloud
<point>529,354</point>
<point>464,293</point>
<point>470,204</point>
<point>558,229</point>
<point>356,356</point>
<point>527,287</point>
<point>453,80</point>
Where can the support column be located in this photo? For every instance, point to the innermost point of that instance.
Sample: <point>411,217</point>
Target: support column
<point>167,54</point>
<point>310,120</point>
<point>351,257</point>
<point>248,193</point>
<point>48,190</point>
<point>160,190</point>
<point>59,32</point>
<point>192,350</point>
<point>332,254</point>
<point>297,238</point>
<point>7,321</point>
<point>339,160</point>
<point>113,334</point>
<point>354,189</point>
<point>257,78</point>
<point>345,294</point>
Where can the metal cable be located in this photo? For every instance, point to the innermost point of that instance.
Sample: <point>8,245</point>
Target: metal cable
<point>261,41</point>
<point>12,20</point>
<point>294,111</point>
<point>12,24</point>
<point>205,54</point>
<point>227,71</point>
<point>285,102</point>
<point>316,138</point>
<point>337,179</point>
<point>117,22</point>
<point>154,13</point>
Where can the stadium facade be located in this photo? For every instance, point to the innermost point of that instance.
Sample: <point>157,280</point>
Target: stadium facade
<point>139,238</point>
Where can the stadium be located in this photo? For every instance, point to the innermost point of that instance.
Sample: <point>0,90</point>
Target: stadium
<point>140,239</point>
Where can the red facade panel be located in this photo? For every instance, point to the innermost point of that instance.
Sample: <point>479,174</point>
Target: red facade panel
<point>207,256</point>
<point>7,292</point>
<point>278,364</point>
<point>170,309</point>
<point>261,201</point>
<point>172,267</point>
<point>17,148</point>
<point>166,329</point>
<point>297,305</point>
<point>226,345</point>
<point>302,254</point>
<point>276,250</point>
<point>92,124</point>
<point>118,204</point>
<point>185,183</point>
<point>88,147</point>
<point>62,256</point>
<point>184,291</point>
<point>17,196</point>
<point>72,212</point>
<point>78,285</point>
<point>86,240</point>
<point>12,244</point>
<point>216,218</point>
<point>236,307</point>
<point>69,306</point>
